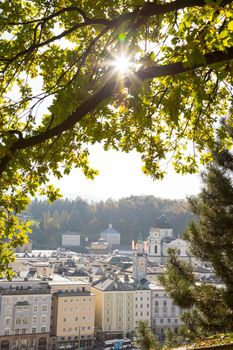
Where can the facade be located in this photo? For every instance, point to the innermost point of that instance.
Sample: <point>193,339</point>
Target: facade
<point>71,239</point>
<point>72,322</point>
<point>115,308</point>
<point>25,309</point>
<point>142,306</point>
<point>180,245</point>
<point>111,235</point>
<point>139,261</point>
<point>160,240</point>
<point>100,247</point>
<point>164,314</point>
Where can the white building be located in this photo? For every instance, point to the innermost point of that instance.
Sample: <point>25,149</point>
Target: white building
<point>111,235</point>
<point>142,306</point>
<point>179,244</point>
<point>71,239</point>
<point>164,313</point>
<point>160,240</point>
<point>25,308</point>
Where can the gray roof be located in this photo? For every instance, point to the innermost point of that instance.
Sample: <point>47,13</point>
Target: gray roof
<point>111,285</point>
<point>110,230</point>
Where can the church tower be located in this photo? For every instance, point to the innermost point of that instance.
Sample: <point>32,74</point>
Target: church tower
<point>139,260</point>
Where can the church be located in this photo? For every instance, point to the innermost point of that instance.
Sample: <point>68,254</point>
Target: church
<point>155,249</point>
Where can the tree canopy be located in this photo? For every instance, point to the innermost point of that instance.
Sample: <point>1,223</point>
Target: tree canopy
<point>64,86</point>
<point>211,241</point>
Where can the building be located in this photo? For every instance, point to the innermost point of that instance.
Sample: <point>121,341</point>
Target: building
<point>111,235</point>
<point>158,243</point>
<point>142,305</point>
<point>72,322</point>
<point>25,310</point>
<point>114,312</point>
<point>180,245</point>
<point>100,247</point>
<point>164,313</point>
<point>139,260</point>
<point>71,239</point>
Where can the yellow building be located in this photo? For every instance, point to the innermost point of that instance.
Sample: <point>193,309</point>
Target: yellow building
<point>114,311</point>
<point>73,312</point>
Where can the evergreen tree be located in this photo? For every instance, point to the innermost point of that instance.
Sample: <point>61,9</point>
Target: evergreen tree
<point>145,338</point>
<point>211,241</point>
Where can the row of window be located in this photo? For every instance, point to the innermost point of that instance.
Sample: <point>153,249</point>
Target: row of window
<point>77,309</point>
<point>77,300</point>
<point>165,310</point>
<point>76,329</point>
<point>25,298</point>
<point>141,298</point>
<point>76,318</point>
<point>25,320</point>
<point>142,306</point>
<point>25,330</point>
<point>164,320</point>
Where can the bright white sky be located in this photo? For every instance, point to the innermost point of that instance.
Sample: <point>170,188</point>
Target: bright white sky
<point>121,176</point>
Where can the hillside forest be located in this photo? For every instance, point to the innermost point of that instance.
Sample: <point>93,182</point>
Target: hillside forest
<point>130,216</point>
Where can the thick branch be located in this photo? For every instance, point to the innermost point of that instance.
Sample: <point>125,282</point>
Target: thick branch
<point>146,11</point>
<point>105,92</point>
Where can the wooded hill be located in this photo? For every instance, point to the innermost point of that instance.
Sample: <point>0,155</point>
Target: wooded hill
<point>130,216</point>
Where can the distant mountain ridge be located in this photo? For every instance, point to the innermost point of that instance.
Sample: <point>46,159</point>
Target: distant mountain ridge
<point>130,216</point>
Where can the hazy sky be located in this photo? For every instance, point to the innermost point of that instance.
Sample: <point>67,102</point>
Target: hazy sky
<point>121,176</point>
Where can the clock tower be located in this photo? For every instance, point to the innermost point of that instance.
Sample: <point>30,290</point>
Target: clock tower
<point>139,260</point>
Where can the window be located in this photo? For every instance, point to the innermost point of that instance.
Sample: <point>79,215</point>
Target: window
<point>25,320</point>
<point>147,305</point>
<point>161,321</point>
<point>156,303</point>
<point>24,331</point>
<point>43,329</point>
<point>64,319</point>
<point>136,313</point>
<point>17,331</point>
<point>33,329</point>
<point>141,313</point>
<point>18,321</point>
<point>44,307</point>
<point>164,302</point>
<point>76,318</point>
<point>168,320</point>
<point>34,319</point>
<point>35,308</point>
<point>6,331</point>
<point>8,321</point>
<point>43,319</point>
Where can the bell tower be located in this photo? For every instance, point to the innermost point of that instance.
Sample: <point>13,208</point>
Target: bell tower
<point>139,260</point>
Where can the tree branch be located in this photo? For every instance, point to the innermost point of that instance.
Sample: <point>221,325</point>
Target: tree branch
<point>106,91</point>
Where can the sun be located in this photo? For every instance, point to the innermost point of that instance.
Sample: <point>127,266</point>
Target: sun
<point>122,63</point>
